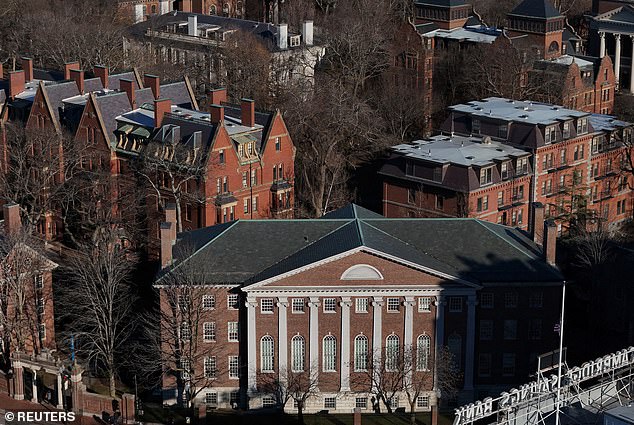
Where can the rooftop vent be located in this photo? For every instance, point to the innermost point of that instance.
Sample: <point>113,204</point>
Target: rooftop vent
<point>555,108</point>
<point>499,149</point>
<point>486,140</point>
<point>470,157</point>
<point>524,116</point>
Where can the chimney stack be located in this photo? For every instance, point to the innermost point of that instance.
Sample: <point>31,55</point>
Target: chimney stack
<point>102,72</point>
<point>217,113</point>
<point>282,36</point>
<point>153,82</point>
<point>217,96</point>
<point>67,67</point>
<point>307,33</point>
<point>537,223</point>
<point>12,221</point>
<point>166,243</point>
<point>550,241</point>
<point>16,83</point>
<point>128,87</point>
<point>170,217</point>
<point>247,107</point>
<point>161,107</point>
<point>78,76</point>
<point>27,66</point>
<point>192,25</point>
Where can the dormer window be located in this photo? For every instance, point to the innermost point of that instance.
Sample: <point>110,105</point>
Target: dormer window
<point>566,130</point>
<point>293,41</point>
<point>504,170</point>
<point>240,151</point>
<point>503,131</point>
<point>522,165</point>
<point>486,176</point>
<point>475,126</point>
<point>551,134</point>
<point>582,126</point>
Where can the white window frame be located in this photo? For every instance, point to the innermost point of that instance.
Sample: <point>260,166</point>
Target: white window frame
<point>298,305</point>
<point>234,367</point>
<point>209,331</point>
<point>361,402</point>
<point>361,305</point>
<point>330,402</point>
<point>455,304</point>
<point>298,353</point>
<point>267,354</point>
<point>233,331</point>
<point>391,352</point>
<point>209,302</point>
<point>232,301</point>
<point>211,398</point>
<point>423,352</point>
<point>267,306</point>
<point>210,367</point>
<point>422,401</point>
<point>329,350</point>
<point>487,300</point>
<point>424,304</point>
<point>361,348</point>
<point>330,305</point>
<point>486,176</point>
<point>393,305</point>
<point>38,281</point>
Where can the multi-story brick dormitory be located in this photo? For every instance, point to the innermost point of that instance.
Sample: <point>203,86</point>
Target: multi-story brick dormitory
<point>575,163</point>
<point>335,295</point>
<point>442,176</point>
<point>244,159</point>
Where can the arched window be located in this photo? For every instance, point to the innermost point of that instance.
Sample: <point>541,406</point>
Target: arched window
<point>454,342</point>
<point>267,353</point>
<point>391,353</point>
<point>298,346</point>
<point>212,9</point>
<point>153,9</point>
<point>361,353</point>
<point>554,47</point>
<point>361,272</point>
<point>330,353</point>
<point>423,345</point>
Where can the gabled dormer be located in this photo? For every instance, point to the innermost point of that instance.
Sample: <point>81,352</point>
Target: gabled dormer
<point>540,24</point>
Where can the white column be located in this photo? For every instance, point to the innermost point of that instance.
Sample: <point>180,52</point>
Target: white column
<point>345,343</point>
<point>252,362</point>
<point>617,58</point>
<point>60,392</point>
<point>440,333</point>
<point>314,338</point>
<point>471,330</point>
<point>34,386</point>
<point>282,338</point>
<point>632,67</point>
<point>409,331</point>
<point>602,44</point>
<point>377,328</point>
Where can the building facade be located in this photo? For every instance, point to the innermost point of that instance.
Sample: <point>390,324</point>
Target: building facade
<point>331,298</point>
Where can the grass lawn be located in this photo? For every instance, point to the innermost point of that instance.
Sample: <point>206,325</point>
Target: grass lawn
<point>229,417</point>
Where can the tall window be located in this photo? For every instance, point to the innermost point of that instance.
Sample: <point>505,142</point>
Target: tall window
<point>232,331</point>
<point>232,301</point>
<point>209,302</point>
<point>454,342</point>
<point>234,367</point>
<point>391,353</point>
<point>186,333</point>
<point>297,305</point>
<point>297,353</point>
<point>209,331</point>
<point>267,352</point>
<point>424,304</point>
<point>330,353</point>
<point>360,353</point>
<point>486,176</point>
<point>361,305</point>
<point>209,366</point>
<point>486,300</point>
<point>393,304</point>
<point>423,347</point>
<point>266,305</point>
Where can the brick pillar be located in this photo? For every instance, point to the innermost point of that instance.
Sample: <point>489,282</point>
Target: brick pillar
<point>78,390</point>
<point>357,416</point>
<point>434,415</point>
<point>18,381</point>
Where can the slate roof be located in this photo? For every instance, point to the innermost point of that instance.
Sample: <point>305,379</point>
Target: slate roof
<point>144,96</point>
<point>111,106</point>
<point>178,94</point>
<point>442,3</point>
<point>58,92</point>
<point>113,80</point>
<point>542,9</point>
<point>468,249</point>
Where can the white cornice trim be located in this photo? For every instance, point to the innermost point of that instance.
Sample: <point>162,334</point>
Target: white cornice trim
<point>355,250</point>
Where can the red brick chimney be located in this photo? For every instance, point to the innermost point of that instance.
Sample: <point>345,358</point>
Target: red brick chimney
<point>550,241</point>
<point>161,107</point>
<point>128,87</point>
<point>217,113</point>
<point>170,217</point>
<point>217,96</point>
<point>12,221</point>
<point>537,223</point>
<point>248,112</point>
<point>27,66</point>
<point>78,76</point>
<point>67,67</point>
<point>166,244</point>
<point>16,83</point>
<point>102,72</point>
<point>153,82</point>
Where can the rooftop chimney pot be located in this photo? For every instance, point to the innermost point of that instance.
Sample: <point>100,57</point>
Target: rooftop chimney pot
<point>27,66</point>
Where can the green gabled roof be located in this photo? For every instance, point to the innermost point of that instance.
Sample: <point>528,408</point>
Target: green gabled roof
<point>245,252</point>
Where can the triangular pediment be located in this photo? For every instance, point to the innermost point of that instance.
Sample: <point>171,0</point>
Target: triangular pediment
<point>622,15</point>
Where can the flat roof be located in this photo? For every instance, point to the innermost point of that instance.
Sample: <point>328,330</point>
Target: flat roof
<point>518,111</point>
<point>473,33</point>
<point>144,116</point>
<point>625,413</point>
<point>607,122</point>
<point>460,150</point>
<point>568,60</point>
<point>81,99</point>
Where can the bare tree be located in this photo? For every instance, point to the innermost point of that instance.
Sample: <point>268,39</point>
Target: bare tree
<point>23,296</point>
<point>593,246</point>
<point>35,170</point>
<point>97,303</point>
<point>291,385</point>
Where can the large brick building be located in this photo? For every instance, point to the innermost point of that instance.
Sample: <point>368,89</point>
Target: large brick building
<point>504,154</point>
<point>335,295</point>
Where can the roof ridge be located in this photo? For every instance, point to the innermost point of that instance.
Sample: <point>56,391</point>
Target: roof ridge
<point>481,222</point>
<point>412,246</point>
